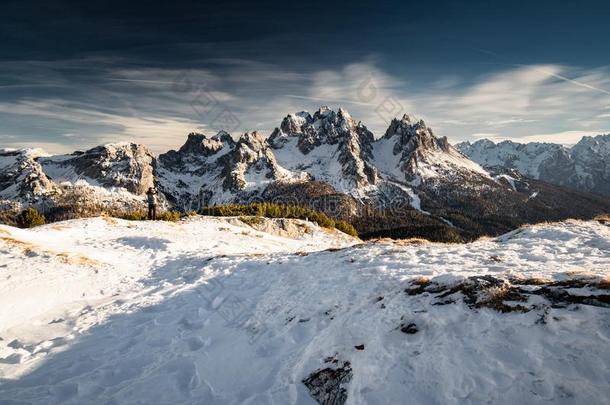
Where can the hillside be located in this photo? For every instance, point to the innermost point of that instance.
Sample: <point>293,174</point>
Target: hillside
<point>209,310</point>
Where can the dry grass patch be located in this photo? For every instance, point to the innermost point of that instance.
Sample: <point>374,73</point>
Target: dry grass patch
<point>412,241</point>
<point>29,249</point>
<point>495,297</point>
<point>110,220</point>
<point>530,280</point>
<point>16,242</point>
<point>603,219</point>
<point>418,285</point>
<point>67,258</point>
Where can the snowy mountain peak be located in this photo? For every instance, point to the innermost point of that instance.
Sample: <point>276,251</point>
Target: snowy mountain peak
<point>200,144</point>
<point>325,127</point>
<point>329,145</point>
<point>595,144</point>
<point>254,140</point>
<point>410,150</point>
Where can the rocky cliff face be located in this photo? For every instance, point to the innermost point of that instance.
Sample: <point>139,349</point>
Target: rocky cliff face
<point>585,166</point>
<point>329,146</point>
<point>22,178</point>
<point>591,157</point>
<point>218,169</point>
<point>111,176</point>
<point>410,151</point>
<point>121,165</point>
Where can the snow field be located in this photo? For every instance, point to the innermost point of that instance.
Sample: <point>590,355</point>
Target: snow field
<point>211,311</point>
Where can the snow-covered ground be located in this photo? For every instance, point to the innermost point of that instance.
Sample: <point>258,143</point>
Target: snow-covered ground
<point>211,311</point>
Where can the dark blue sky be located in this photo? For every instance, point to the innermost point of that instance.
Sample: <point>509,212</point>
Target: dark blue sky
<point>74,74</point>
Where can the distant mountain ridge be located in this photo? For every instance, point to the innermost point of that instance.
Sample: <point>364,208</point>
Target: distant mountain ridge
<point>584,166</point>
<point>409,182</point>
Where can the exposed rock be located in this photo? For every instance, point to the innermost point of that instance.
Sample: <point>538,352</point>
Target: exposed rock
<point>206,171</point>
<point>513,294</point>
<point>328,385</point>
<point>22,179</point>
<point>409,329</point>
<point>122,165</point>
<point>302,137</point>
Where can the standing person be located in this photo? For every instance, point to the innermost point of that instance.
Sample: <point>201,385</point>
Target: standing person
<point>151,196</point>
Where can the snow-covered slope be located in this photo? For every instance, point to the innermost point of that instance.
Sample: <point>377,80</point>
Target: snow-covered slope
<point>211,311</point>
<point>585,166</point>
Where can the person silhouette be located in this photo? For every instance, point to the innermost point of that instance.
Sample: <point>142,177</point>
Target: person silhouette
<point>151,196</point>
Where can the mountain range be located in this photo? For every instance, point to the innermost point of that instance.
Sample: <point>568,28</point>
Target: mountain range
<point>408,182</point>
<point>584,166</point>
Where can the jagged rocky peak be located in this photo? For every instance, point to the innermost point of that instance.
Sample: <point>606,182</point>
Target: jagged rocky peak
<point>122,165</point>
<point>250,164</point>
<point>413,135</point>
<point>410,151</point>
<point>293,123</point>
<point>334,136</point>
<point>255,141</point>
<point>22,177</point>
<point>197,149</point>
<point>599,144</point>
<point>251,149</point>
<point>200,144</point>
<point>326,126</point>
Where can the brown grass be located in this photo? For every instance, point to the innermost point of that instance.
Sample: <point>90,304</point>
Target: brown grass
<point>63,257</point>
<point>402,242</point>
<point>530,280</point>
<point>412,241</point>
<point>418,285</point>
<point>495,296</point>
<point>58,227</point>
<point>81,260</point>
<point>16,242</point>
<point>421,280</point>
<point>603,219</point>
<point>110,220</point>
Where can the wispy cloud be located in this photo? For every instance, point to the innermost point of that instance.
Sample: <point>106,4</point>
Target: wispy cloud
<point>327,100</point>
<point>572,81</point>
<point>159,106</point>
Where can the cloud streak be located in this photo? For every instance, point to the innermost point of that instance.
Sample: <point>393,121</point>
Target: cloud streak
<point>159,106</point>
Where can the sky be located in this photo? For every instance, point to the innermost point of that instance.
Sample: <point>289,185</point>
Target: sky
<point>76,74</point>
